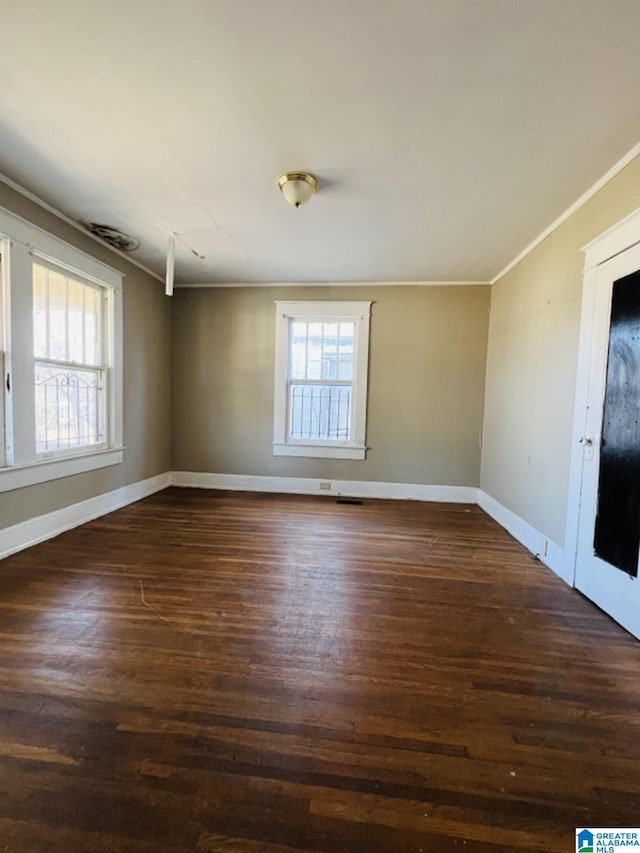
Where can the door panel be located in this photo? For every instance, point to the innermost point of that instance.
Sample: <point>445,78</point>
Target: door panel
<point>609,531</point>
<point>617,529</point>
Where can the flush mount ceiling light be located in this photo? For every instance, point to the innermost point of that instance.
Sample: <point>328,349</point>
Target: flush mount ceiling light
<point>297,187</point>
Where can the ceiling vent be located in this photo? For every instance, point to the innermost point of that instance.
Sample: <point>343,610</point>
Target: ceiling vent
<point>112,236</point>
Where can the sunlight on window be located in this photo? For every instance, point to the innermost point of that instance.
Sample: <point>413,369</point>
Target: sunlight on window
<point>69,366</point>
<point>320,356</point>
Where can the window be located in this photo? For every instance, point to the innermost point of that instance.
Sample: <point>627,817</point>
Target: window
<point>61,358</point>
<point>321,379</point>
<point>69,368</point>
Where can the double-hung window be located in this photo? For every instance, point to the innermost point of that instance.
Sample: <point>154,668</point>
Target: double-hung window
<point>321,379</point>
<point>61,359</point>
<point>70,369</point>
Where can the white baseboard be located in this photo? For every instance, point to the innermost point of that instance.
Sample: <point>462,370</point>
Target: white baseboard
<point>309,486</point>
<point>555,558</point>
<point>513,524</point>
<point>35,530</point>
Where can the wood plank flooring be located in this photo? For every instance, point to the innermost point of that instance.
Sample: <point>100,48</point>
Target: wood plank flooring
<point>240,673</point>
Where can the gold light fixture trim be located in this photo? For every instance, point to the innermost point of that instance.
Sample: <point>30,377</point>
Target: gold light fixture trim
<point>297,187</point>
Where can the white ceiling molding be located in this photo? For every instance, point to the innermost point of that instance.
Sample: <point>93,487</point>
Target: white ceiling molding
<point>584,198</point>
<point>262,284</point>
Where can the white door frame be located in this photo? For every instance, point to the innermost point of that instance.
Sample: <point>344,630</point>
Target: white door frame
<point>617,239</point>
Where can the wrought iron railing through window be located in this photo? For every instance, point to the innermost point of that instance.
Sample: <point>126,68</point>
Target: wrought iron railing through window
<point>68,407</point>
<point>319,411</point>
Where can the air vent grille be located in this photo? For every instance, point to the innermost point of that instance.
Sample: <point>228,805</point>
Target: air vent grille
<point>113,236</point>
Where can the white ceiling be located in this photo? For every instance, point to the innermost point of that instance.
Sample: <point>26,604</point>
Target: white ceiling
<point>445,134</point>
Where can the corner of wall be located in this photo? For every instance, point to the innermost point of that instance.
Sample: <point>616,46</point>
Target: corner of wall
<point>555,557</point>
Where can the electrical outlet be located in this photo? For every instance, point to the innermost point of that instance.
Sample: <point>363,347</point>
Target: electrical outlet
<point>542,550</point>
<point>325,486</point>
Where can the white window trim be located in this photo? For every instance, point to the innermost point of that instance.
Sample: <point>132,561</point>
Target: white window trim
<point>20,476</point>
<point>22,241</point>
<point>360,313</point>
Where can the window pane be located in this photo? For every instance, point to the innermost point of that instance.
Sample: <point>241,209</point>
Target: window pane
<point>57,344</point>
<point>67,408</point>
<point>92,326</point>
<point>321,350</point>
<point>76,296</point>
<point>298,350</point>
<point>345,361</point>
<point>314,352</point>
<point>330,351</point>
<point>66,318</point>
<point>40,343</point>
<point>320,411</point>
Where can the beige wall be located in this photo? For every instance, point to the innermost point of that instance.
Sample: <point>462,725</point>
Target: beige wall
<point>146,382</point>
<point>427,369</point>
<point>426,383</point>
<point>532,360</point>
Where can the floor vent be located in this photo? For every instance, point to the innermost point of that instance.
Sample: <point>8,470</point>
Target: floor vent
<point>351,501</point>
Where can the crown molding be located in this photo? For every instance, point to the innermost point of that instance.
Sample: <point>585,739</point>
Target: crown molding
<point>334,284</point>
<point>584,198</point>
<point>23,191</point>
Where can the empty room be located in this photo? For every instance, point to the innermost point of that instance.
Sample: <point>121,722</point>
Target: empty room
<point>320,470</point>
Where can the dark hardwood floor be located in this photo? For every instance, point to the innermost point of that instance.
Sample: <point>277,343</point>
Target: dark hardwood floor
<point>233,672</point>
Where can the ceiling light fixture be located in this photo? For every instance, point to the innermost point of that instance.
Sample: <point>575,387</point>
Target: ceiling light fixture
<point>297,187</point>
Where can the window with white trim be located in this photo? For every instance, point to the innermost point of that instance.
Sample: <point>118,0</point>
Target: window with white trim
<point>61,358</point>
<point>70,371</point>
<point>320,399</point>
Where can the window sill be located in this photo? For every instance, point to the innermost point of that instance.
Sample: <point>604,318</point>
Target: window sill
<point>19,476</point>
<point>320,451</point>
